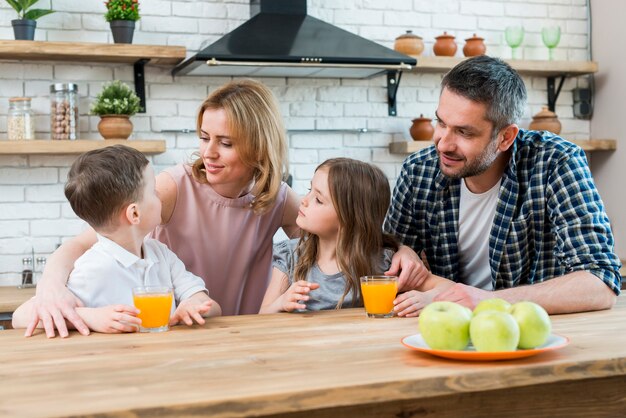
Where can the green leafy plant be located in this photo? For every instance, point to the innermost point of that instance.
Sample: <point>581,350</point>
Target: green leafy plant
<point>116,98</point>
<point>122,10</point>
<point>22,6</point>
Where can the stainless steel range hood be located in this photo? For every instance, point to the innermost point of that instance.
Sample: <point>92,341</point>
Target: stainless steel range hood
<point>281,40</point>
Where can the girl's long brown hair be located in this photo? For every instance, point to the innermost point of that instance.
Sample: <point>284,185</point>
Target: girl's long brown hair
<point>258,136</point>
<point>360,194</point>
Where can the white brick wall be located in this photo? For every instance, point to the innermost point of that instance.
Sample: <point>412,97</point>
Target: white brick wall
<point>34,215</point>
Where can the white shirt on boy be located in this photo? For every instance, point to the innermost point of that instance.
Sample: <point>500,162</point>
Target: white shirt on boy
<point>106,273</point>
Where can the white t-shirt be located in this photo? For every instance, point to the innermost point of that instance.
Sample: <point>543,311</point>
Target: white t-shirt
<point>476,212</point>
<point>106,273</point>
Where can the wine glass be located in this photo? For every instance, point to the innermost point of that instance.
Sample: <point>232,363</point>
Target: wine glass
<point>514,36</point>
<point>551,35</point>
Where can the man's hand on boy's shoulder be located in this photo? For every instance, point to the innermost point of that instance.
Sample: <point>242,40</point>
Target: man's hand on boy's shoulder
<point>192,309</point>
<point>112,319</point>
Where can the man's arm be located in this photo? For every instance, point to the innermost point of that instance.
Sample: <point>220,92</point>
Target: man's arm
<point>54,302</point>
<point>579,291</point>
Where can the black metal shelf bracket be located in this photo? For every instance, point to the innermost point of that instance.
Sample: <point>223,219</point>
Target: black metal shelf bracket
<point>393,81</point>
<point>553,93</point>
<point>140,82</point>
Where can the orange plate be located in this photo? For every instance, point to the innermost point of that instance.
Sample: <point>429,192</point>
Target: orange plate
<point>416,342</point>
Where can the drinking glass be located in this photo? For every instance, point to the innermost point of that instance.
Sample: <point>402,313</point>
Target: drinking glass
<point>551,35</point>
<point>378,295</point>
<point>155,305</point>
<point>514,36</point>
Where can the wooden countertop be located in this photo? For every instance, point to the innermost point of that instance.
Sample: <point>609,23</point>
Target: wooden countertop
<point>11,297</point>
<point>333,363</point>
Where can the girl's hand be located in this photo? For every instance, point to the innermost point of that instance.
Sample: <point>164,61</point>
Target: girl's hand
<point>297,292</point>
<point>191,309</point>
<point>411,303</point>
<point>112,319</point>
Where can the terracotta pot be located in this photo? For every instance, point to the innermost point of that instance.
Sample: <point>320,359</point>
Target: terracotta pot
<point>474,46</point>
<point>546,120</point>
<point>115,126</point>
<point>445,45</point>
<point>422,129</point>
<point>409,44</point>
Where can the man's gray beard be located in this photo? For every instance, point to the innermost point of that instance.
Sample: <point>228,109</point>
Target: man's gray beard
<point>480,164</point>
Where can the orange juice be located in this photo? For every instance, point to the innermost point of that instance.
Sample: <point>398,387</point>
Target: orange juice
<point>155,309</point>
<point>378,295</point>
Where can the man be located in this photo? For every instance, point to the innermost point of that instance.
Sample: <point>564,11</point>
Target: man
<point>502,211</point>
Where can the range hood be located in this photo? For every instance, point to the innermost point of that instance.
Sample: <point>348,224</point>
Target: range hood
<point>281,40</point>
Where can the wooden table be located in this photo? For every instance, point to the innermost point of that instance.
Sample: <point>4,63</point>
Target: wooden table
<point>11,297</point>
<point>326,364</point>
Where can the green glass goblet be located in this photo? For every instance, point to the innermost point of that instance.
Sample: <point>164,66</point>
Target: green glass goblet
<point>514,35</point>
<point>551,36</point>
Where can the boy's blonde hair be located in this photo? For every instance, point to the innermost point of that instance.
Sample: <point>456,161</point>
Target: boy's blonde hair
<point>360,194</point>
<point>258,136</point>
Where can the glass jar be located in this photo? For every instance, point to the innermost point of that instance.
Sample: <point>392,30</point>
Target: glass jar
<point>64,111</point>
<point>20,120</point>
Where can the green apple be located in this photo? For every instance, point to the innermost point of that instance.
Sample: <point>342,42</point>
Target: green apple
<point>493,304</point>
<point>534,324</point>
<point>445,325</point>
<point>494,331</point>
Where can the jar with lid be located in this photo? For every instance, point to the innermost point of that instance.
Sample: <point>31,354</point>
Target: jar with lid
<point>20,120</point>
<point>64,111</point>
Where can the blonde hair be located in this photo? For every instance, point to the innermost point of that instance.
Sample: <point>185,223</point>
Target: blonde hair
<point>360,194</point>
<point>258,136</point>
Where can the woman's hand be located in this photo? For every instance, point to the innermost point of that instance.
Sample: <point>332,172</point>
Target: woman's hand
<point>298,292</point>
<point>52,306</point>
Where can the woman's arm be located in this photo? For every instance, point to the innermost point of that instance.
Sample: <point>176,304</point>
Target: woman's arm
<point>54,302</point>
<point>167,192</point>
<point>291,213</point>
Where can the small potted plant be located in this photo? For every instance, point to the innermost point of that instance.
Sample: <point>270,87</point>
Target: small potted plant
<point>122,15</point>
<point>24,26</point>
<point>115,104</point>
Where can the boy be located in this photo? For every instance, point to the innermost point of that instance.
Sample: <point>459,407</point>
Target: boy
<point>113,190</point>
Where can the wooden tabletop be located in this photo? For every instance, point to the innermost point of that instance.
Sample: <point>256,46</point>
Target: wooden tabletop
<point>11,297</point>
<point>325,364</point>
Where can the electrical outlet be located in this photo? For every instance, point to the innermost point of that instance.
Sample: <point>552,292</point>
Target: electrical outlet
<point>583,108</point>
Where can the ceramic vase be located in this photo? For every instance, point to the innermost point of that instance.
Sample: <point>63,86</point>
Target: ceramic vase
<point>115,126</point>
<point>422,129</point>
<point>445,45</point>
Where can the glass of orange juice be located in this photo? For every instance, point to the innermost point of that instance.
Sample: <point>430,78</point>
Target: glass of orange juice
<point>155,305</point>
<point>378,295</point>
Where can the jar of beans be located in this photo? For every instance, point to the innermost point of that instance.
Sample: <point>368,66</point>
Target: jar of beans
<point>20,120</point>
<point>64,111</point>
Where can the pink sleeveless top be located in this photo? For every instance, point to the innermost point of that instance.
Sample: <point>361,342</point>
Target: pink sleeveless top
<point>223,241</point>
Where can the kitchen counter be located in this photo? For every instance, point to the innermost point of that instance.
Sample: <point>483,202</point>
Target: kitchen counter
<point>11,297</point>
<point>324,364</point>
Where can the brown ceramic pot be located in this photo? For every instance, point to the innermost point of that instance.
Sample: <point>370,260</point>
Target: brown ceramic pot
<point>409,44</point>
<point>445,45</point>
<point>115,126</point>
<point>422,129</point>
<point>546,120</point>
<point>474,46</point>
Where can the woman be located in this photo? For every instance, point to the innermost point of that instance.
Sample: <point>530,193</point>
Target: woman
<point>218,215</point>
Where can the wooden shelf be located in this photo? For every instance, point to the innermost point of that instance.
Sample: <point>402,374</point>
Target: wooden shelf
<point>526,67</point>
<point>91,52</point>
<point>50,147</point>
<point>406,147</point>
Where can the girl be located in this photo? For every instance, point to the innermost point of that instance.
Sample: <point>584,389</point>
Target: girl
<point>341,219</point>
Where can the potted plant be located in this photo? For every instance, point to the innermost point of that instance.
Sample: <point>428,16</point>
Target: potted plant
<point>122,15</point>
<point>115,104</point>
<point>24,26</point>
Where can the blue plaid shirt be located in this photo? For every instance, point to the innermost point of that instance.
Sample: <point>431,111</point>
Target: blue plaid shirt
<point>549,218</point>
